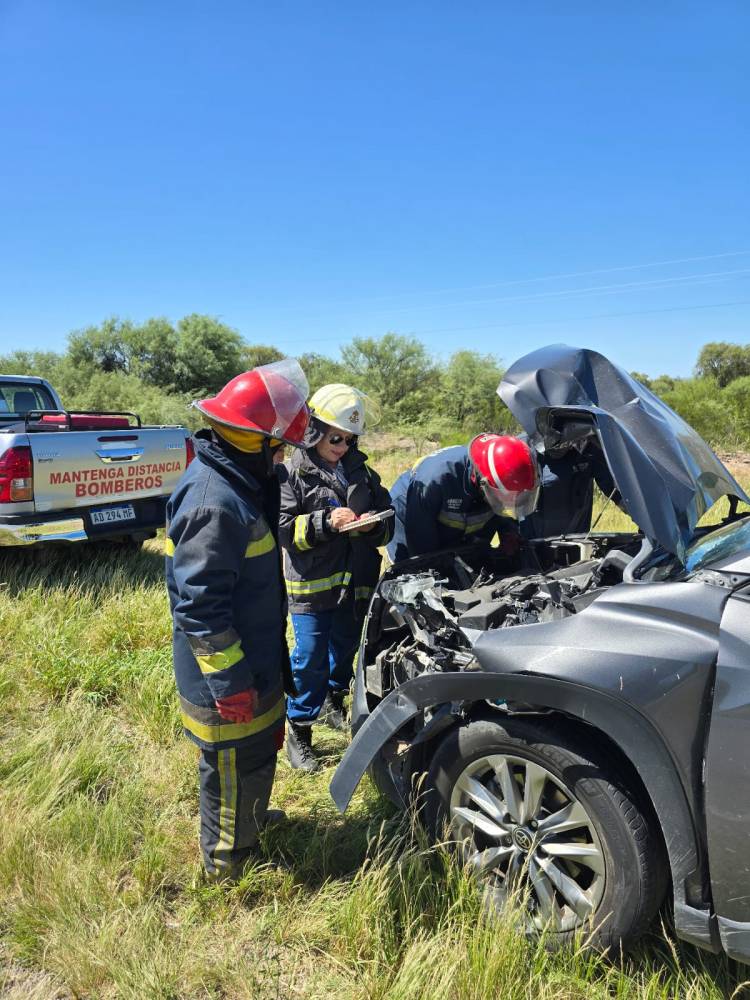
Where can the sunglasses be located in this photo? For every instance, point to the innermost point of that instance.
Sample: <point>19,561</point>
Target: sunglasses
<point>338,438</point>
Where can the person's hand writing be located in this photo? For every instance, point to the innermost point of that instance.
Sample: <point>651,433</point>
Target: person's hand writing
<point>368,527</point>
<point>340,516</point>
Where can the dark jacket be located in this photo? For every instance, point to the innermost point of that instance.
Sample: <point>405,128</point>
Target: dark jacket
<point>438,506</point>
<point>321,566</point>
<point>225,588</point>
<point>566,500</point>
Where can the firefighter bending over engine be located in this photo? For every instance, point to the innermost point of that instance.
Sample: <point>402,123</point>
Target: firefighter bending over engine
<point>498,484</point>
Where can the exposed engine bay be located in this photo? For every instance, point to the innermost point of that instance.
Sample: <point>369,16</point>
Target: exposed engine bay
<point>427,619</point>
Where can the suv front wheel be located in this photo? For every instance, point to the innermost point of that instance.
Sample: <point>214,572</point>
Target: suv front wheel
<point>537,813</point>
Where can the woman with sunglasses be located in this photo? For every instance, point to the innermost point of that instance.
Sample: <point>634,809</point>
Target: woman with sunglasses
<point>330,573</point>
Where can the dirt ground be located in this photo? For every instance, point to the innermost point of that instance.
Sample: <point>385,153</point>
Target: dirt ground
<point>738,463</point>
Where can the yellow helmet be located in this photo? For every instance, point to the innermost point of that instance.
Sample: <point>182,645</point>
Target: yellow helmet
<point>344,407</point>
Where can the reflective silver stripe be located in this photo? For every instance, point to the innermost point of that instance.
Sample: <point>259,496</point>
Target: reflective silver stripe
<point>491,456</point>
<point>302,587</point>
<point>227,768</point>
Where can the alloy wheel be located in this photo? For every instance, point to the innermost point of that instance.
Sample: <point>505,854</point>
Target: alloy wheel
<point>521,829</point>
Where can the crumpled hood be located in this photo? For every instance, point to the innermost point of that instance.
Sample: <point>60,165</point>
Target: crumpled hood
<point>667,475</point>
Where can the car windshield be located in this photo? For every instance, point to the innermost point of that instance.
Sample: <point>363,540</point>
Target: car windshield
<point>17,398</point>
<point>719,544</point>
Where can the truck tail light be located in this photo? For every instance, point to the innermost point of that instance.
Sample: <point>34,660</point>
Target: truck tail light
<point>189,451</point>
<point>16,475</point>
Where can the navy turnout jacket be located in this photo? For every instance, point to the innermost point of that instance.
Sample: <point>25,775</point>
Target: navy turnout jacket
<point>437,506</point>
<point>227,596</point>
<point>323,567</point>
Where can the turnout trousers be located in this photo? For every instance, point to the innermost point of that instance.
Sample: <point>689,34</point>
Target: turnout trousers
<point>324,646</point>
<point>235,788</point>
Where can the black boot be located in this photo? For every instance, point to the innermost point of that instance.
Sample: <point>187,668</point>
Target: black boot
<point>332,713</point>
<point>299,748</point>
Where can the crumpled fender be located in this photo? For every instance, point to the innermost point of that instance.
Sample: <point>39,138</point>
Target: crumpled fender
<point>622,723</point>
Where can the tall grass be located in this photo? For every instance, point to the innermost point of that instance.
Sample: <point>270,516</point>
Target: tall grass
<point>101,894</point>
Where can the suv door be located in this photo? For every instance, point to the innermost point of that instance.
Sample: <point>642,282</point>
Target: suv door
<point>727,780</point>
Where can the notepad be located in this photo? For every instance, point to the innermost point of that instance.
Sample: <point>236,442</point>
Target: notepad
<point>366,519</point>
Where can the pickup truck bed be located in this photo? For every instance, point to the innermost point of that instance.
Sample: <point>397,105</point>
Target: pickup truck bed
<point>71,477</point>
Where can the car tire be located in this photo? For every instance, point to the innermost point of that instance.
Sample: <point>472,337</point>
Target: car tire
<point>534,780</point>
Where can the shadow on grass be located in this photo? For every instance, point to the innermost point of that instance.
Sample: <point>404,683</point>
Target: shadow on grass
<point>96,566</point>
<point>320,847</point>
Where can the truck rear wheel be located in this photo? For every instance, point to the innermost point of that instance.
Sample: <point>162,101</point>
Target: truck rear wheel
<point>538,815</point>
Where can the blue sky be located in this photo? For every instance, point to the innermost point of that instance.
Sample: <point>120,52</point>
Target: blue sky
<point>478,175</point>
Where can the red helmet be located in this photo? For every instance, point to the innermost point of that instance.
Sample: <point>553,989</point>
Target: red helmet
<point>508,474</point>
<point>269,400</point>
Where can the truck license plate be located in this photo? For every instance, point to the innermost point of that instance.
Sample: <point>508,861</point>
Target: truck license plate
<point>124,512</point>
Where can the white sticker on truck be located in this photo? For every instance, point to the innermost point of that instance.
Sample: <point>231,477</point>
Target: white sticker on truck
<point>112,480</point>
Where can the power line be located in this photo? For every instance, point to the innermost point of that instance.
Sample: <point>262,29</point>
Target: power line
<point>596,289</point>
<point>527,323</point>
<point>685,280</point>
<point>539,278</point>
<point>580,319</point>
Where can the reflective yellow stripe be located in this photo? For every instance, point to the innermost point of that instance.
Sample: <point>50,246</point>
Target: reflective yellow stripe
<point>300,532</point>
<point>168,546</point>
<point>316,586</point>
<point>478,524</point>
<point>362,593</point>
<point>227,768</point>
<point>265,544</point>
<point>327,415</point>
<point>460,522</point>
<point>234,730</point>
<point>457,521</point>
<point>222,660</point>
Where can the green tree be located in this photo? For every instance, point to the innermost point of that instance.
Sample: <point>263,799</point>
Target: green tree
<point>723,362</point>
<point>207,356</point>
<point>469,393</point>
<point>101,348</point>
<point>699,404</point>
<point>151,349</point>
<point>397,371</point>
<point>662,384</point>
<point>322,370</point>
<point>736,400</point>
<point>42,363</point>
<point>120,391</point>
<point>254,355</point>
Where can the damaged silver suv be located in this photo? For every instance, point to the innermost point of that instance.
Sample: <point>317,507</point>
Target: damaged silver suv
<point>578,718</point>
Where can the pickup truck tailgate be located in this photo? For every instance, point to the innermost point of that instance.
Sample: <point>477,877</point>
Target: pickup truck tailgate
<point>78,469</point>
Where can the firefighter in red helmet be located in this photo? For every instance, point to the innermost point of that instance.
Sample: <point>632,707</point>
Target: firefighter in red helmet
<point>498,484</point>
<point>507,473</point>
<point>228,603</point>
<point>463,494</point>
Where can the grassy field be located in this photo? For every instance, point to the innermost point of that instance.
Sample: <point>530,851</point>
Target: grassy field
<point>100,879</point>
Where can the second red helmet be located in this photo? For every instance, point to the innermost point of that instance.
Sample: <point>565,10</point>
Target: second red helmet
<point>507,472</point>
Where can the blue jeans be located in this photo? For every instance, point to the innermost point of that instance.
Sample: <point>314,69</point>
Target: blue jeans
<point>322,658</point>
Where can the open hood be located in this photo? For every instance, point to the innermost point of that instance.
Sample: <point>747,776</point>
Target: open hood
<point>667,475</point>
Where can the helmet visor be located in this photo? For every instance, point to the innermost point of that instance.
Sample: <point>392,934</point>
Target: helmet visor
<point>287,388</point>
<point>511,503</point>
